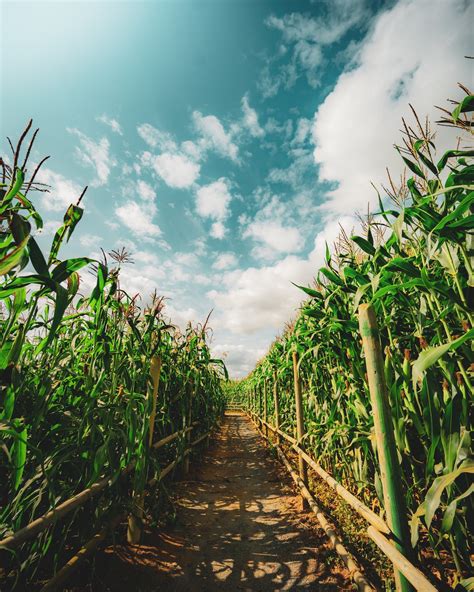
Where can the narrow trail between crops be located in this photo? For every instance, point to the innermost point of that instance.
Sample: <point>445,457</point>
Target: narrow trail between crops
<point>239,527</point>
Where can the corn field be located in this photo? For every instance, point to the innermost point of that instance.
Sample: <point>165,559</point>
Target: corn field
<point>86,382</point>
<point>414,264</point>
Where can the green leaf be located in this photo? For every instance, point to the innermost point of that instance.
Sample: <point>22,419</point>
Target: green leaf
<point>431,355</point>
<point>15,186</point>
<point>309,291</point>
<point>414,168</point>
<point>433,496</point>
<point>465,106</point>
<point>398,226</point>
<point>453,154</point>
<point>37,259</point>
<point>61,304</point>
<point>19,457</point>
<point>62,271</point>
<point>364,244</point>
<point>333,277</point>
<point>13,258</point>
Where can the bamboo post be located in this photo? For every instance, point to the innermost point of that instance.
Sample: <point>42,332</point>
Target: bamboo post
<point>155,371</point>
<point>135,519</point>
<point>390,473</point>
<point>188,421</point>
<point>300,431</point>
<point>265,410</point>
<point>276,404</point>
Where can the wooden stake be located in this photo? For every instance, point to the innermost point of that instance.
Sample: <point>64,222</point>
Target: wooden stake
<point>390,473</point>
<point>276,405</point>
<point>155,371</point>
<point>300,431</point>
<point>188,423</point>
<point>135,519</point>
<point>265,411</point>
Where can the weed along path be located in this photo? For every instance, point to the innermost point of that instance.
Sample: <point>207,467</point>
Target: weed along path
<point>239,526</point>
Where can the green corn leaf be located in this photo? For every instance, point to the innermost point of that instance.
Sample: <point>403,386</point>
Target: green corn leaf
<point>61,304</point>
<point>20,228</point>
<point>37,259</point>
<point>431,355</point>
<point>309,291</point>
<point>433,496</point>
<point>19,457</point>
<point>333,277</point>
<point>62,271</point>
<point>364,244</point>
<point>15,186</point>
<point>428,164</point>
<point>414,168</point>
<point>453,154</point>
<point>14,258</point>
<point>465,106</point>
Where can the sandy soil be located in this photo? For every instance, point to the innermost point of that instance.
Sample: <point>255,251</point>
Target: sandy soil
<point>239,527</point>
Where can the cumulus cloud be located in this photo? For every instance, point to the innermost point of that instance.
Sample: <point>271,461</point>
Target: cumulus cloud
<point>95,155</point>
<point>138,218</point>
<point>225,261</point>
<point>90,240</point>
<point>62,193</point>
<point>145,191</point>
<point>250,119</point>
<point>401,61</point>
<point>239,358</point>
<point>215,136</point>
<point>218,230</point>
<point>176,170</point>
<point>259,298</point>
<point>309,36</point>
<point>112,123</point>
<point>273,228</point>
<point>156,138</point>
<point>212,201</point>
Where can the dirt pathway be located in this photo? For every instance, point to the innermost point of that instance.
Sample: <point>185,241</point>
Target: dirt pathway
<point>238,528</point>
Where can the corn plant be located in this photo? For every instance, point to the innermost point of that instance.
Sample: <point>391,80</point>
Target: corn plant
<point>414,263</point>
<point>76,379</point>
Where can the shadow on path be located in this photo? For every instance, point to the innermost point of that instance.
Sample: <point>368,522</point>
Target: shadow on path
<point>239,528</point>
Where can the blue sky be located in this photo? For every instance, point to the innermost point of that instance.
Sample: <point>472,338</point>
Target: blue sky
<point>223,142</point>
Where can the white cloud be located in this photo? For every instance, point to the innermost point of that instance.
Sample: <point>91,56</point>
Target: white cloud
<point>215,135</point>
<point>63,192</point>
<point>218,230</point>
<point>90,240</point>
<point>401,61</point>
<point>239,358</point>
<point>272,233</point>
<point>192,149</point>
<point>272,228</point>
<point>156,139</point>
<point>309,35</point>
<point>95,155</point>
<point>112,225</point>
<point>212,201</point>
<point>49,228</point>
<point>303,131</point>
<point>112,123</point>
<point>225,261</point>
<point>138,218</point>
<point>263,298</point>
<point>250,119</point>
<point>176,170</point>
<point>145,191</point>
